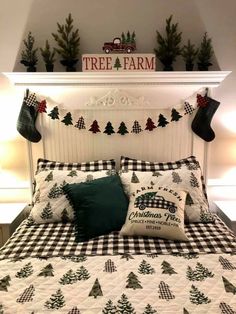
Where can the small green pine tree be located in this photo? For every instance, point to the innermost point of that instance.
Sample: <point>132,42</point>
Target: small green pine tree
<point>29,55</point>
<point>117,64</point>
<point>67,120</point>
<point>47,271</point>
<point>145,268</point>
<point>205,53</point>
<point>197,297</point>
<point>82,273</point>
<point>167,268</point>
<point>68,278</point>
<point>47,212</point>
<point>96,290</point>
<point>124,306</point>
<point>54,113</point>
<point>55,191</point>
<point>133,282</point>
<point>109,308</point>
<point>56,301</point>
<point>25,271</point>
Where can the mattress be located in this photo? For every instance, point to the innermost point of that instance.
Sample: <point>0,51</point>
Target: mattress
<point>43,270</point>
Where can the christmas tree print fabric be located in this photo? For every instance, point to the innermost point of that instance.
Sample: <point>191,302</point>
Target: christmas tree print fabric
<point>49,202</point>
<point>186,178</point>
<point>155,211</point>
<point>142,284</point>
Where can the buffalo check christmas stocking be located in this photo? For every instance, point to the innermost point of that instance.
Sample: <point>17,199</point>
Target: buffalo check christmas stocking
<point>27,117</point>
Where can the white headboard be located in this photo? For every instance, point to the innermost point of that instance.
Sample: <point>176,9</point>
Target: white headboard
<point>116,97</point>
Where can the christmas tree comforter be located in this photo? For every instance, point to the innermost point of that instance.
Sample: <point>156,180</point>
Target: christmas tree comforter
<point>43,270</point>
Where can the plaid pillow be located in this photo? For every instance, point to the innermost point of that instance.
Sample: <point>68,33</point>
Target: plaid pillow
<point>190,162</point>
<point>97,165</point>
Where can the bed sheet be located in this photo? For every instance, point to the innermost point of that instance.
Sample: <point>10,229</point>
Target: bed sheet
<point>42,270</point>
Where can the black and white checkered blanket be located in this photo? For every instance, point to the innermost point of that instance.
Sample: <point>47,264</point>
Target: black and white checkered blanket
<point>57,239</point>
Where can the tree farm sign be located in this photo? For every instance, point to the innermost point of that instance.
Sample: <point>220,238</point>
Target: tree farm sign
<point>118,62</point>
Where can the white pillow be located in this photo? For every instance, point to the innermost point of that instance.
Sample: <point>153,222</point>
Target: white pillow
<point>196,207</point>
<point>155,211</point>
<point>50,202</point>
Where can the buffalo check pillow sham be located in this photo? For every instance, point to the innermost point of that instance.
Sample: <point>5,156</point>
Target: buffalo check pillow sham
<point>184,174</point>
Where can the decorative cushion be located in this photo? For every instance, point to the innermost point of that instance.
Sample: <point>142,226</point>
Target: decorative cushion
<point>186,178</point>
<point>49,201</point>
<point>100,206</point>
<point>190,162</point>
<point>155,211</point>
<point>97,165</point>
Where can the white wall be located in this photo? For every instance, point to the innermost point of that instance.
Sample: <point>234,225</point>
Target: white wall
<point>100,21</point>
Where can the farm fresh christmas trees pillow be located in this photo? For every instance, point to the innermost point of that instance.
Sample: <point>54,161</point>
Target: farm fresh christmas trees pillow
<point>155,211</point>
<point>50,202</point>
<point>187,179</point>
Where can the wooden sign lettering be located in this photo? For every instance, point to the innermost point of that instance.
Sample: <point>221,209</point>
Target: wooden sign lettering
<point>118,62</point>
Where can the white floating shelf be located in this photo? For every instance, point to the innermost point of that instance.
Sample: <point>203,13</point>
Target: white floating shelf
<point>99,79</point>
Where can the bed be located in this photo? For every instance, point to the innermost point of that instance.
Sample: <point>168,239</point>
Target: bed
<point>50,266</point>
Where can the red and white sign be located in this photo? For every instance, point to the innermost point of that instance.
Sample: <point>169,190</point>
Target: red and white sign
<point>118,62</point>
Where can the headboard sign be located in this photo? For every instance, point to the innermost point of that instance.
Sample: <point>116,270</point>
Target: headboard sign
<point>116,97</point>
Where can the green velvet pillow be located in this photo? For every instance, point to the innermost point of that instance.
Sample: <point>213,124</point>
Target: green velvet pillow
<point>100,206</point>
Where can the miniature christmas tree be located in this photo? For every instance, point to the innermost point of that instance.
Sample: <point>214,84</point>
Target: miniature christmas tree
<point>136,128</point>
<point>47,271</point>
<point>25,271</point>
<point>133,282</point>
<point>226,263</point>
<point>47,212</point>
<point>27,295</point>
<point>205,54</point>
<point>67,120</point>
<point>4,283</point>
<point>68,43</point>
<point>72,173</point>
<point>109,128</point>
<point>55,191</point>
<point>193,181</point>
<point>94,127</point>
<point>49,177</point>
<point>80,124</point>
<point>54,114</point>
<point>48,56</point>
<point>175,115</point>
<point>176,177</point>
<point>168,47</point>
<point>96,290</point>
<point>226,309</point>
<point>109,266</point>
<point>124,306</point>
<point>229,287</point>
<point>64,216</point>
<point>203,271</point>
<point>109,308</point>
<point>167,268</point>
<point>56,301</point>
<point>68,278</point>
<point>134,178</point>
<point>149,310</point>
<point>189,200</point>
<point>145,268</point>
<point>29,55</point>
<point>122,130</point>
<point>189,54</point>
<point>164,291</point>
<point>74,310</point>
<point>117,64</point>
<point>162,121</point>
<point>82,273</point>
<point>150,125</point>
<point>197,297</point>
